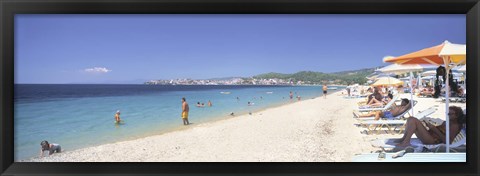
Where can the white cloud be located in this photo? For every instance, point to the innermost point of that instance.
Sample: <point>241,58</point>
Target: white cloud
<point>97,70</point>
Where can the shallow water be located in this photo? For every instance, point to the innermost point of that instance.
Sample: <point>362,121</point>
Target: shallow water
<point>78,116</point>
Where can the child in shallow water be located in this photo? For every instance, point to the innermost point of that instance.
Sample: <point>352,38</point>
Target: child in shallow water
<point>52,148</point>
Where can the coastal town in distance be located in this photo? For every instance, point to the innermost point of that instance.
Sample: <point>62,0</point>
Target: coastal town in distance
<point>230,81</point>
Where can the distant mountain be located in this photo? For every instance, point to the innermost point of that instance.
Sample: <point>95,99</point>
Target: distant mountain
<point>273,78</point>
<point>311,77</point>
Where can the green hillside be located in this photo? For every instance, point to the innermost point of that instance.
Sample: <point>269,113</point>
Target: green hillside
<point>310,77</point>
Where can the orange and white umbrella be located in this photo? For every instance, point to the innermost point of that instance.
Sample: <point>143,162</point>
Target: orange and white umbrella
<point>445,53</point>
<point>448,54</point>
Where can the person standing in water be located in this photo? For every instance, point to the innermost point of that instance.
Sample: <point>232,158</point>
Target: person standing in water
<point>209,103</point>
<point>325,91</point>
<point>117,117</point>
<point>185,110</point>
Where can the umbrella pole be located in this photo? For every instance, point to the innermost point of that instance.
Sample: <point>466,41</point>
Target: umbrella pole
<point>411,92</point>
<point>446,60</point>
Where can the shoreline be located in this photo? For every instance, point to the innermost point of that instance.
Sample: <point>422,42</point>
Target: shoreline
<point>174,123</point>
<point>216,119</point>
<point>182,130</point>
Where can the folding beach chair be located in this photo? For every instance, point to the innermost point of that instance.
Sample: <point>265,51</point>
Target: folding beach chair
<point>412,157</point>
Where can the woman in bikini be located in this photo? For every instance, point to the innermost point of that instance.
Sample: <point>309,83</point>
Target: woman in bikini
<point>434,134</point>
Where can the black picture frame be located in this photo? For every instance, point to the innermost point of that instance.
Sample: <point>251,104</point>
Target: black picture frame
<point>8,9</point>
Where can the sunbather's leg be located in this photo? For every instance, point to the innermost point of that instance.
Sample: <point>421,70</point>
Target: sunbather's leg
<point>415,126</point>
<point>379,104</point>
<point>378,114</point>
<point>370,114</point>
<point>374,101</point>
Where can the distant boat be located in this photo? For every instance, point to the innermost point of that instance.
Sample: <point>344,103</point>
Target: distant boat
<point>332,88</point>
<point>225,92</point>
<point>269,92</point>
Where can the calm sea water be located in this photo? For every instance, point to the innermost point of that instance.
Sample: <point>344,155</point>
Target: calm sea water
<point>78,116</point>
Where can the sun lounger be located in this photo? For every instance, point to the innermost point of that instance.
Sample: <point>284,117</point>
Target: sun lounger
<point>413,157</point>
<point>398,124</point>
<point>456,99</point>
<point>400,116</point>
<point>460,139</point>
<point>419,115</point>
<point>462,99</point>
<point>377,125</point>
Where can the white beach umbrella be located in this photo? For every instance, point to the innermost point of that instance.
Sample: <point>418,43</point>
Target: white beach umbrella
<point>400,69</point>
<point>387,81</point>
<point>376,76</point>
<point>434,72</point>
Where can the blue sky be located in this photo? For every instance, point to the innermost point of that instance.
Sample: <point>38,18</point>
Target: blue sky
<point>135,48</point>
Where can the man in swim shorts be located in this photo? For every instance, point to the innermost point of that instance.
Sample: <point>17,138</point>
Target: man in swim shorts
<point>185,110</point>
<point>325,91</point>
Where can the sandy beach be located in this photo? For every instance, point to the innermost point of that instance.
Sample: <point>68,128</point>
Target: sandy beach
<point>313,130</point>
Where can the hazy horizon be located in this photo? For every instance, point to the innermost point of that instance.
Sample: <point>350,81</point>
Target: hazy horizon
<point>141,81</point>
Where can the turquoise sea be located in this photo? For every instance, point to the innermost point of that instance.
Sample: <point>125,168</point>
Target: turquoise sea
<point>77,116</point>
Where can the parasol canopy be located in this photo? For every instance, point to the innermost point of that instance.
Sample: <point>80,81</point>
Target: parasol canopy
<point>433,55</point>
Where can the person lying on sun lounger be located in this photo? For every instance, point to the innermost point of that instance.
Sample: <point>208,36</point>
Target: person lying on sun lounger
<point>427,92</point>
<point>375,103</point>
<point>373,98</point>
<point>390,114</point>
<point>434,134</point>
